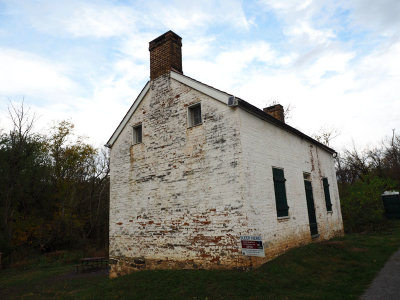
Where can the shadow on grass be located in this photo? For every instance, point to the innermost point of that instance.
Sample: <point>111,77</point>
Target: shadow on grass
<point>337,269</point>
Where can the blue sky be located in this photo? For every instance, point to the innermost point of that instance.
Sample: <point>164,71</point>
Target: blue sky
<point>336,63</point>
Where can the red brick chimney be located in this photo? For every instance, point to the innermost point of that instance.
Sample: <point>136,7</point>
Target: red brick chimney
<point>165,54</point>
<point>276,111</point>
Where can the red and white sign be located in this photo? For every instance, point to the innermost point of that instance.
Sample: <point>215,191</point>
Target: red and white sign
<point>252,245</point>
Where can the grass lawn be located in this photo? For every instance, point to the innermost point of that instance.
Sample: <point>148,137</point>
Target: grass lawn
<point>337,269</point>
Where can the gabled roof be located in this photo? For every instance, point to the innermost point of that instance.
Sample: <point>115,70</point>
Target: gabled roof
<point>220,96</point>
<point>128,115</point>
<point>197,85</point>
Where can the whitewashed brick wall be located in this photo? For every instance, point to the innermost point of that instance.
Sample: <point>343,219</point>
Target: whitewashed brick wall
<point>265,146</point>
<point>177,196</point>
<point>183,196</point>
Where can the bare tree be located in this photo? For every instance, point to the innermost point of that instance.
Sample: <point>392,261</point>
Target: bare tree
<point>22,120</point>
<point>326,135</point>
<point>18,151</point>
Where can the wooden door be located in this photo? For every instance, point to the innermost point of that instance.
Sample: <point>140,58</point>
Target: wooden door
<point>311,208</point>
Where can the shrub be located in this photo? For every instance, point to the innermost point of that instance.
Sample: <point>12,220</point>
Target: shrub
<point>362,206</point>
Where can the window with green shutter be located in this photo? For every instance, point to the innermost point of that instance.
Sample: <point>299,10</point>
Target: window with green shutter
<point>282,208</point>
<point>327,194</point>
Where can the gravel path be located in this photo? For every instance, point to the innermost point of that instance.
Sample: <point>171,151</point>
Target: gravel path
<point>387,284</point>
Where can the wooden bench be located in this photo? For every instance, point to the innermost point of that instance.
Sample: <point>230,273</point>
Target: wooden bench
<point>91,264</point>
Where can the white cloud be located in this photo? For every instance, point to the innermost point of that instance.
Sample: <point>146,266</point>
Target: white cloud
<point>195,16</point>
<point>330,62</point>
<point>22,73</point>
<point>230,66</point>
<point>329,82</point>
<point>359,98</point>
<point>100,21</point>
<point>75,18</point>
<point>303,32</point>
<point>380,16</point>
<point>136,46</point>
<point>304,22</point>
<point>100,114</point>
<point>288,7</point>
<point>95,116</point>
<point>197,47</point>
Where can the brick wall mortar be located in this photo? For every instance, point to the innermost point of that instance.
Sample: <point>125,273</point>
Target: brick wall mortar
<point>178,195</point>
<point>166,56</point>
<point>183,197</point>
<point>266,146</point>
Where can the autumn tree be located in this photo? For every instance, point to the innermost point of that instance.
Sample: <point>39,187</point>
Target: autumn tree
<point>53,188</point>
<point>362,178</point>
<point>24,180</point>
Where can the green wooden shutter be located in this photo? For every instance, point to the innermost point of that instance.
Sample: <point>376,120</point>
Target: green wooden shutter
<point>282,208</point>
<point>327,195</point>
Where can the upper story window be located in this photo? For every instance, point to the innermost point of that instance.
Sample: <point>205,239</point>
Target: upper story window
<point>194,115</point>
<point>137,134</point>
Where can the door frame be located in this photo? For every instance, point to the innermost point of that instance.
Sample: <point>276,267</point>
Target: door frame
<point>312,216</point>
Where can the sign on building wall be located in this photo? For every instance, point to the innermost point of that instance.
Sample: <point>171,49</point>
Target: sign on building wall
<point>252,245</point>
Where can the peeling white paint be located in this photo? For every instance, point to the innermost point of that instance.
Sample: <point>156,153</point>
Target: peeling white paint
<point>184,196</point>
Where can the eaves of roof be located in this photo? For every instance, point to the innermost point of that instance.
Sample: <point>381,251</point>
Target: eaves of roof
<point>128,115</point>
<point>222,97</point>
<point>256,112</point>
<point>266,117</point>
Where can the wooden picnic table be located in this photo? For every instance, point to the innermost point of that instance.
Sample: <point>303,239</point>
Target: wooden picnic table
<point>92,263</point>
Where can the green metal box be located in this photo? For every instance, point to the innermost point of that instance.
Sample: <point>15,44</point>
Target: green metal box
<point>391,203</point>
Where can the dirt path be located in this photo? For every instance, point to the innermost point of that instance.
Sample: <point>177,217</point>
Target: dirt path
<point>386,285</point>
<point>48,283</point>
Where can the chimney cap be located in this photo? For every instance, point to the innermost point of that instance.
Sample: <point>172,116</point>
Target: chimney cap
<point>274,106</point>
<point>169,35</point>
<point>276,111</point>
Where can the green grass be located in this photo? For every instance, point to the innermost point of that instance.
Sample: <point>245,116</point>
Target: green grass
<point>337,269</point>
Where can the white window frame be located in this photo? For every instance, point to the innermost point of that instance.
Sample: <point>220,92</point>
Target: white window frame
<point>190,115</point>
<point>135,137</point>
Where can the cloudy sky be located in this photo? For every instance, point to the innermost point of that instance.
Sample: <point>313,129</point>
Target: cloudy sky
<point>336,63</point>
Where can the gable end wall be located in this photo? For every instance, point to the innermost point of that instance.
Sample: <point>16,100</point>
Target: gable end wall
<point>177,199</point>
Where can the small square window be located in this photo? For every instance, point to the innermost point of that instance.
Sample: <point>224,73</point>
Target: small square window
<point>137,134</point>
<point>194,115</point>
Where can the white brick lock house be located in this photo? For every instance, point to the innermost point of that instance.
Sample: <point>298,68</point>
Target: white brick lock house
<point>194,168</point>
